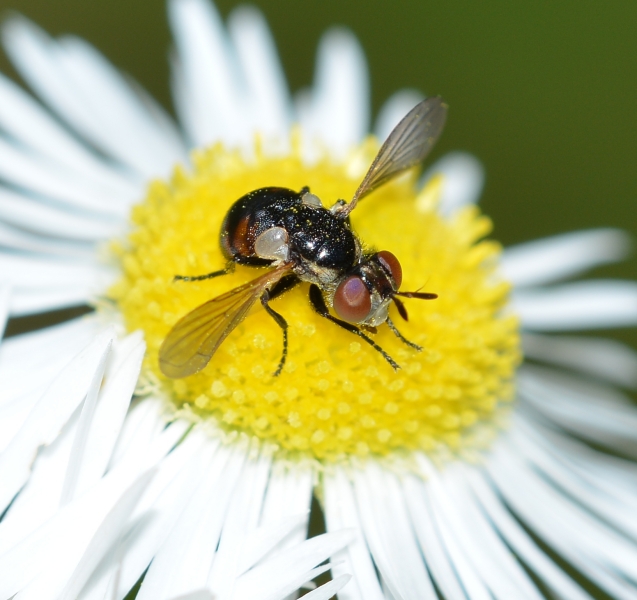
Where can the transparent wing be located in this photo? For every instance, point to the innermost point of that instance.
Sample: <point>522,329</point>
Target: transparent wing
<point>407,145</point>
<point>193,340</point>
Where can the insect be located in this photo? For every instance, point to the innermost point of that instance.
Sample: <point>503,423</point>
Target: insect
<point>302,241</point>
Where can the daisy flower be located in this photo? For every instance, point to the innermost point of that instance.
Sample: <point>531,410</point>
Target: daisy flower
<point>468,473</point>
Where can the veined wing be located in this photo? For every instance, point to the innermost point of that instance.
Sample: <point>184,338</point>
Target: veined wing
<point>407,145</point>
<point>193,340</point>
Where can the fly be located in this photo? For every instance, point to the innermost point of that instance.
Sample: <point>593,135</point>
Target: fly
<point>301,241</point>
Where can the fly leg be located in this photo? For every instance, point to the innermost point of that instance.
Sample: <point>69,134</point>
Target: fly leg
<point>228,269</point>
<point>318,304</point>
<point>400,336</point>
<point>282,286</point>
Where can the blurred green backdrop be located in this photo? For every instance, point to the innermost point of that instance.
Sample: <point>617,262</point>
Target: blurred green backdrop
<point>542,92</point>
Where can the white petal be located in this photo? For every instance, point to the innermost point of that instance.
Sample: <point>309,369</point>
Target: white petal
<point>43,299</point>
<point>33,127</point>
<point>5,298</point>
<point>337,114</point>
<point>209,68</point>
<point>177,479</point>
<point>94,443</point>
<point>393,111</point>
<point>439,563</point>
<point>183,562</point>
<point>70,189</point>
<point>340,513</point>
<point>144,421</point>
<point>601,357</point>
<point>68,533</point>
<point>26,360</point>
<point>79,84</point>
<point>390,535</point>
<point>329,589</point>
<point>287,570</point>
<point>239,525</point>
<point>481,545</point>
<point>583,305</point>
<point>48,416</point>
<point>18,240</point>
<point>66,572</point>
<point>267,537</point>
<point>462,180</point>
<point>520,541</point>
<point>269,100</point>
<point>591,411</point>
<point>587,543</point>
<point>561,256</point>
<point>47,218</point>
<point>289,493</point>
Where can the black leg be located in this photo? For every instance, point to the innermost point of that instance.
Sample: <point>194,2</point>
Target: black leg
<point>282,323</point>
<point>229,268</point>
<point>318,303</point>
<point>400,336</point>
<point>283,285</point>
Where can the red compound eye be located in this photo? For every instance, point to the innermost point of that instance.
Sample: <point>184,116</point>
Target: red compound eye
<point>390,262</point>
<point>352,300</point>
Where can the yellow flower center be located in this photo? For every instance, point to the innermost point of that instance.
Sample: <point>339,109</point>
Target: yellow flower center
<point>337,398</point>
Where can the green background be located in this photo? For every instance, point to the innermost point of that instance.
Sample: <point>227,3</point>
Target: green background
<point>542,92</point>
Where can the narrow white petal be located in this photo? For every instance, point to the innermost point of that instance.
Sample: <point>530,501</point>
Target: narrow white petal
<point>95,441</point>
<point>462,180</point>
<point>583,305</point>
<point>267,580</point>
<point>601,357</point>
<point>67,572</point>
<point>561,256</point>
<point>5,296</point>
<point>33,127</point>
<point>588,493</point>
<point>239,525</point>
<point>393,110</point>
<point>340,513</point>
<point>600,552</point>
<point>430,540</point>
<point>69,531</point>
<point>588,409</point>
<point>183,562</point>
<point>177,479</point>
<point>31,272</point>
<point>144,421</point>
<point>44,299</point>
<point>267,537</point>
<point>79,84</point>
<point>198,595</point>
<point>287,590</point>
<point>48,416</point>
<point>18,240</point>
<point>39,498</point>
<point>390,536</point>
<point>26,361</point>
<point>70,189</point>
<point>48,218</point>
<point>337,114</point>
<point>289,493</point>
<point>87,413</point>
<point>117,109</point>
<point>327,590</point>
<point>270,106</point>
<point>491,559</point>
<point>209,73</point>
<point>520,541</point>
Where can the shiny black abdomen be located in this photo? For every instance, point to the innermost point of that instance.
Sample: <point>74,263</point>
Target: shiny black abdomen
<point>314,234</point>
